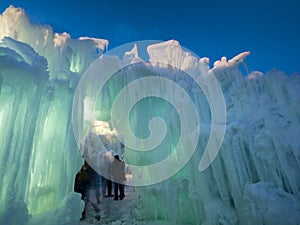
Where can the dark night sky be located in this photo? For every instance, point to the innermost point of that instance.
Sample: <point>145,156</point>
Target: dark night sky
<point>270,30</point>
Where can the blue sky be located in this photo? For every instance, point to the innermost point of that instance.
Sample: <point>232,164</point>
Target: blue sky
<point>270,30</point>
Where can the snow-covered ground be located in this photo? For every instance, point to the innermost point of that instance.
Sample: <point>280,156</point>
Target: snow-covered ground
<point>108,211</point>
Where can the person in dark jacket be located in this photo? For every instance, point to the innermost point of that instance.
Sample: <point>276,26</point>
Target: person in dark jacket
<point>117,173</point>
<point>82,181</point>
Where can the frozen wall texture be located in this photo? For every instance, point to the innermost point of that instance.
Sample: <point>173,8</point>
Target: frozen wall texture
<point>254,179</point>
<point>38,154</point>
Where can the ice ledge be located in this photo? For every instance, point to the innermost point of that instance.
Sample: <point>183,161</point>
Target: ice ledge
<point>172,52</point>
<point>165,44</point>
<point>235,61</point>
<point>60,39</point>
<point>100,43</point>
<point>14,19</point>
<point>11,18</point>
<point>22,52</point>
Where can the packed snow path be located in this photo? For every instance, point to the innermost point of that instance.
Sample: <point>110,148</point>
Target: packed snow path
<point>108,211</point>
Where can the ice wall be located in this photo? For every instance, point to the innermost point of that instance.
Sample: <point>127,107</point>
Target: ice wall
<point>22,83</point>
<point>64,55</point>
<point>254,179</point>
<point>39,70</point>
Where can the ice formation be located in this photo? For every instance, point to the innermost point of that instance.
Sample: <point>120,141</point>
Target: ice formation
<point>39,158</point>
<point>254,179</point>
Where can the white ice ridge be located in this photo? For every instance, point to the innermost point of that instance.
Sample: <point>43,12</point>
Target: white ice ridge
<point>132,56</point>
<point>171,52</point>
<point>133,53</point>
<point>65,56</point>
<point>60,39</point>
<point>232,62</point>
<point>100,43</point>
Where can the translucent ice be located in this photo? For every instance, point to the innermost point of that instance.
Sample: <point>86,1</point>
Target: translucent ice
<point>253,180</point>
<point>38,154</point>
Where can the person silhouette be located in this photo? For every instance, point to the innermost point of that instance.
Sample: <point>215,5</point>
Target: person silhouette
<point>82,181</point>
<point>117,173</point>
<point>106,187</point>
